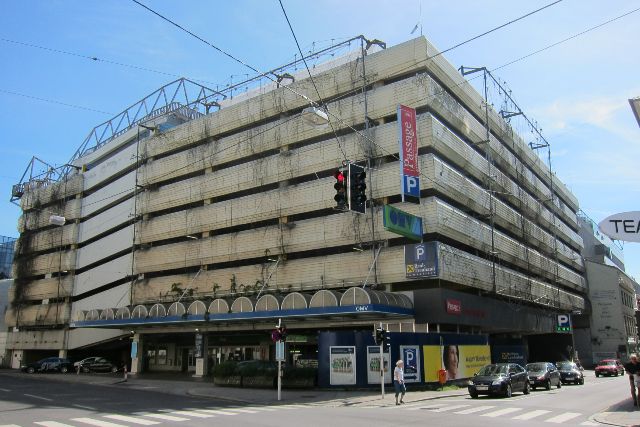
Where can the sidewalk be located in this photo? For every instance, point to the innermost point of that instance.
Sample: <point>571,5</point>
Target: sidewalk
<point>623,414</point>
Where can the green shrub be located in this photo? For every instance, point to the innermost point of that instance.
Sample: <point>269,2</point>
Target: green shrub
<point>300,373</point>
<point>225,369</point>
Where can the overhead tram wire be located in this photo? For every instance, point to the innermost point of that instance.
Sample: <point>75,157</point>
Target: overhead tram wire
<point>322,102</point>
<point>80,107</point>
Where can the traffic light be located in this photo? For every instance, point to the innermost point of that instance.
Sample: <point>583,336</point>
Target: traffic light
<point>279,334</point>
<point>357,188</point>
<point>341,189</point>
<point>379,336</point>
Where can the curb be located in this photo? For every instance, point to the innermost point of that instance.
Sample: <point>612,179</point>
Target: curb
<point>599,418</point>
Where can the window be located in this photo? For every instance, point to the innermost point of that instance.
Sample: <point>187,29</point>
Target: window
<point>162,356</point>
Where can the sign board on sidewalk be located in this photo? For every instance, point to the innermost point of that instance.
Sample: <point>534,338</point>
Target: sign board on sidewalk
<point>342,365</point>
<point>410,355</point>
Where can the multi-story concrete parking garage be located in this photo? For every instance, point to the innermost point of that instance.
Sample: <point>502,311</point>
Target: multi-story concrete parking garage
<point>191,227</point>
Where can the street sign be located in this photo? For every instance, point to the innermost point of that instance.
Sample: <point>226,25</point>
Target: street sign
<point>280,356</point>
<point>564,323</point>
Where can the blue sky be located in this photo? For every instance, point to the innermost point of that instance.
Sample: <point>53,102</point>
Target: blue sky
<point>576,91</point>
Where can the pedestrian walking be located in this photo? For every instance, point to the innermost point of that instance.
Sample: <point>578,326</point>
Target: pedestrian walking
<point>633,369</point>
<point>398,381</point>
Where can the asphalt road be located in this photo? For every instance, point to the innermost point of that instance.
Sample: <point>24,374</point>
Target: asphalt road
<point>27,401</point>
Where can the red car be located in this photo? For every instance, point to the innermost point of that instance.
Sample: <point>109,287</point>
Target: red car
<point>609,367</point>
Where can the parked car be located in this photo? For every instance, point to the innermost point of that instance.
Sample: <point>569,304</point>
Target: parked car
<point>499,379</point>
<point>543,374</point>
<point>99,364</point>
<point>84,361</point>
<point>609,367</point>
<point>49,364</point>
<point>570,373</point>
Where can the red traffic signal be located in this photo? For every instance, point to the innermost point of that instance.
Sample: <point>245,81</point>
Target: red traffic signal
<point>341,188</point>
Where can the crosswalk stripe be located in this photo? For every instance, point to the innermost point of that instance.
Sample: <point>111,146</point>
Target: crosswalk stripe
<point>474,410</point>
<point>260,408</point>
<point>217,412</point>
<point>562,417</point>
<point>9,425</point>
<point>290,406</point>
<point>191,414</point>
<point>530,415</point>
<point>416,408</point>
<point>449,408</point>
<point>52,424</point>
<point>165,417</point>
<point>244,411</point>
<point>589,423</point>
<point>131,419</point>
<point>98,423</point>
<point>501,412</point>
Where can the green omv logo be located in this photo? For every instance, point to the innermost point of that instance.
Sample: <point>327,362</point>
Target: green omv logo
<point>402,223</point>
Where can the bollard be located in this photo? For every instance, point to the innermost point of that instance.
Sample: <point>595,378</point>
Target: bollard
<point>125,373</point>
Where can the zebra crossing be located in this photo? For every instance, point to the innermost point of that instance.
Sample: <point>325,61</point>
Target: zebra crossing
<point>160,416</point>
<point>492,411</point>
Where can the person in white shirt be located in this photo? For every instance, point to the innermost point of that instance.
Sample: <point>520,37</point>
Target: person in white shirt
<point>398,381</point>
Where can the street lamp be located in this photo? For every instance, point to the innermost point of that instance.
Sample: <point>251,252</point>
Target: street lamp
<point>315,116</point>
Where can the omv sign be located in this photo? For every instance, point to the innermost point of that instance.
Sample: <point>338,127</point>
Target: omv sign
<point>623,226</point>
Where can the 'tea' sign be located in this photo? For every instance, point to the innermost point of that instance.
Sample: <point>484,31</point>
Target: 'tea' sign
<point>623,226</point>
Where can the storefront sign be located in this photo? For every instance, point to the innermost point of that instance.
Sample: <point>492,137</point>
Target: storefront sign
<point>623,226</point>
<point>342,365</point>
<point>454,306</point>
<point>402,223</point>
<point>421,260</point>
<point>199,342</point>
<point>408,139</point>
<point>373,365</point>
<point>410,355</point>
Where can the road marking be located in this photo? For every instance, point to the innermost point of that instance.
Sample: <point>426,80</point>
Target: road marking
<point>590,423</point>
<point>473,410</point>
<point>216,412</point>
<point>38,397</point>
<point>6,389</point>
<point>84,407</point>
<point>165,417</point>
<point>131,419</point>
<point>530,415</point>
<point>9,425</point>
<point>562,417</point>
<point>98,423</point>
<point>260,408</point>
<point>244,411</point>
<point>52,424</point>
<point>423,407</point>
<point>290,406</point>
<point>448,408</point>
<point>191,414</point>
<point>501,412</point>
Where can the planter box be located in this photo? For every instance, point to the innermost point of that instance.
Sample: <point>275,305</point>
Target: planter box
<point>234,381</point>
<point>298,382</point>
<point>258,382</point>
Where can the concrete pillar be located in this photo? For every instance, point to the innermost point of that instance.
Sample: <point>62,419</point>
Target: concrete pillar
<point>63,353</point>
<point>137,354</point>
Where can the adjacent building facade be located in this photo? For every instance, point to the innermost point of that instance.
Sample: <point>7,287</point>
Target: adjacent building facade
<point>609,326</point>
<point>193,234</point>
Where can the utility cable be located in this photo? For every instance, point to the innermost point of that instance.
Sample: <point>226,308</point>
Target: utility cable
<point>80,107</point>
<point>312,80</point>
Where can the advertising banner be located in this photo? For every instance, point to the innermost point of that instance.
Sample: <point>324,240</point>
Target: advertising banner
<point>460,361</point>
<point>421,260</point>
<point>509,354</point>
<point>623,226</point>
<point>373,365</point>
<point>402,223</point>
<point>411,357</point>
<point>408,140</point>
<point>342,362</point>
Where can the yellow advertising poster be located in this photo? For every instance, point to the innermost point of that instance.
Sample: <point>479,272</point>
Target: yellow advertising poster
<point>460,361</point>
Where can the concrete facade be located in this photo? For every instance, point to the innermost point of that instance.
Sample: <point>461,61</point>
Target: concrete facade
<point>609,327</point>
<point>202,209</point>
